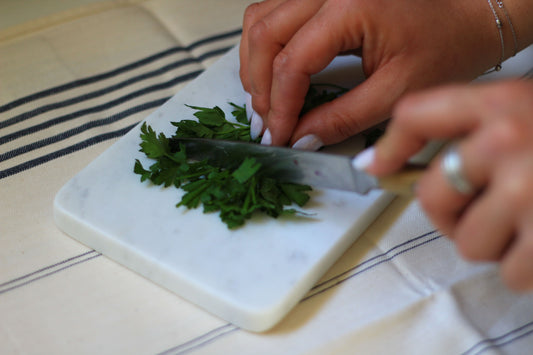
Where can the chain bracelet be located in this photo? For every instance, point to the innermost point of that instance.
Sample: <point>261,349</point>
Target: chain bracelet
<point>511,27</point>
<point>499,26</point>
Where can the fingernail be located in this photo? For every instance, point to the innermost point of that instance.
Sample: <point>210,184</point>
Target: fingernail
<point>267,138</point>
<point>308,142</point>
<point>249,109</point>
<point>256,121</point>
<point>364,159</point>
<point>256,125</point>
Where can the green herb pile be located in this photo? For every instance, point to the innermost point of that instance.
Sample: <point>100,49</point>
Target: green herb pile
<point>236,194</point>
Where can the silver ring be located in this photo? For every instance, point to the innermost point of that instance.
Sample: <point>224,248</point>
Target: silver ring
<point>452,168</point>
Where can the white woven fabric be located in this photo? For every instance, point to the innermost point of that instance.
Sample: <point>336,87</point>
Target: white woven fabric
<point>73,83</point>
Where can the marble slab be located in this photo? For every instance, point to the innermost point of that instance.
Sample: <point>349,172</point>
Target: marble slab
<point>251,276</point>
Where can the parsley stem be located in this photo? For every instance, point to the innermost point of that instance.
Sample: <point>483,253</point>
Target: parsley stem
<point>250,195</point>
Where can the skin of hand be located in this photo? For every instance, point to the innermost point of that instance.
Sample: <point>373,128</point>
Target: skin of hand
<point>404,45</point>
<point>493,124</point>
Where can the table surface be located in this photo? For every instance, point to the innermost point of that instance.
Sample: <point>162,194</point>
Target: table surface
<point>75,77</point>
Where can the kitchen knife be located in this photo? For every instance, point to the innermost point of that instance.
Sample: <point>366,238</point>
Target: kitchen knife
<point>317,169</point>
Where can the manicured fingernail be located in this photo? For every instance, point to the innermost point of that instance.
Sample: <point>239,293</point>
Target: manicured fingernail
<point>256,125</point>
<point>267,138</point>
<point>256,121</point>
<point>249,109</point>
<point>364,159</point>
<point>308,142</point>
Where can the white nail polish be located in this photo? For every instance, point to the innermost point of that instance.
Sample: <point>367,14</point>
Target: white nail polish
<point>249,109</point>
<point>267,138</point>
<point>363,160</point>
<point>256,125</point>
<point>308,142</point>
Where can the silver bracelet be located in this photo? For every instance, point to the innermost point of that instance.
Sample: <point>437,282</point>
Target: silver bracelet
<point>499,25</point>
<point>515,39</point>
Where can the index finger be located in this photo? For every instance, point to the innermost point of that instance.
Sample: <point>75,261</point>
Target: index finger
<point>309,51</point>
<point>252,15</point>
<point>444,113</point>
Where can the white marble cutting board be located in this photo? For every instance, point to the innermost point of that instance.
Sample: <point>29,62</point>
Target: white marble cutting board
<point>251,276</point>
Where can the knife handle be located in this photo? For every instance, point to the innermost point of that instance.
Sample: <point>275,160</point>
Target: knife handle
<point>403,181</point>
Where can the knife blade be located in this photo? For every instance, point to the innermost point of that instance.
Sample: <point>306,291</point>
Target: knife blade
<point>317,169</point>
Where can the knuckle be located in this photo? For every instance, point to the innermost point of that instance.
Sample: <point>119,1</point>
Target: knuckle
<point>429,205</point>
<point>517,189</point>
<point>430,200</point>
<point>512,90</point>
<point>514,276</point>
<point>425,194</point>
<point>402,112</point>
<point>259,32</point>
<point>511,281</point>
<point>508,135</point>
<point>474,244</point>
<point>502,93</point>
<point>261,105</point>
<point>343,124</point>
<point>498,97</point>
<point>281,64</point>
<point>469,250</point>
<point>252,12</point>
<point>404,104</point>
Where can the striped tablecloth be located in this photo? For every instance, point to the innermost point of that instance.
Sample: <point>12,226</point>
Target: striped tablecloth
<point>71,84</point>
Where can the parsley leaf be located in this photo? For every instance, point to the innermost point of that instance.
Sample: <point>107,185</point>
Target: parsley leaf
<point>246,170</point>
<point>296,193</point>
<point>153,146</point>
<point>239,113</point>
<point>138,169</point>
<point>212,124</point>
<point>209,116</point>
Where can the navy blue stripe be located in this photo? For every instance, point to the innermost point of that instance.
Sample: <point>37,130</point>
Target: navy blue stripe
<point>386,257</point>
<point>84,127</point>
<point>87,96</point>
<point>501,340</point>
<point>98,108</point>
<point>380,256</point>
<point>117,71</point>
<point>44,269</point>
<point>49,274</point>
<point>65,151</point>
<point>202,340</point>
